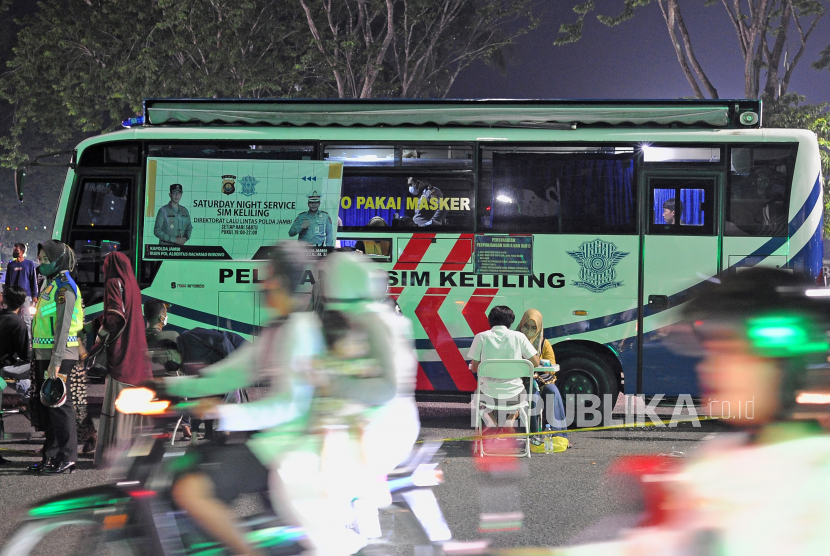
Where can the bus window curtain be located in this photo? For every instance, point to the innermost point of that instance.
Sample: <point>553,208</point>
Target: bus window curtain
<point>692,206</point>
<point>535,192</point>
<point>660,197</point>
<point>376,187</point>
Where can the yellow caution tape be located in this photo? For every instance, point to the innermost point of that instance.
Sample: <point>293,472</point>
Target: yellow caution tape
<point>569,431</point>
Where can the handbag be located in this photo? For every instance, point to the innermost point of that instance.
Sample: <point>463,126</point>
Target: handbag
<point>95,360</point>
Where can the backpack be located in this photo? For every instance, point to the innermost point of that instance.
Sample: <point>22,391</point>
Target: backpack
<point>201,347</point>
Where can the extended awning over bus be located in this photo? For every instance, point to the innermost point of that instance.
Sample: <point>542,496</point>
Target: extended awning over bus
<point>478,113</point>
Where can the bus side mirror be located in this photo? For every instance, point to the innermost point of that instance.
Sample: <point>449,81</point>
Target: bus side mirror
<point>19,178</point>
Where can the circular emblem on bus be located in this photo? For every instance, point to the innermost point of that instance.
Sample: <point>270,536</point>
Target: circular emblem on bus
<point>228,184</point>
<point>597,260</point>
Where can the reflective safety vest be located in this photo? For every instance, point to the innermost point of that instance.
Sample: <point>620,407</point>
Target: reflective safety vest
<point>43,324</point>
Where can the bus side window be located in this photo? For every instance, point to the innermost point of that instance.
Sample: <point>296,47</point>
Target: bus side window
<point>758,192</point>
<point>558,192</point>
<point>682,206</point>
<point>412,201</point>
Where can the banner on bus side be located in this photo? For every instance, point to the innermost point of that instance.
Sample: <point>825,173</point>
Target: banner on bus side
<point>231,209</point>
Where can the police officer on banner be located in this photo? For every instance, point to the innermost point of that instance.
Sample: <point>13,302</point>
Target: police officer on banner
<point>172,220</point>
<point>314,225</point>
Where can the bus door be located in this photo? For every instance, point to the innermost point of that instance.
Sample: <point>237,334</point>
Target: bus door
<point>680,252</point>
<point>101,222</point>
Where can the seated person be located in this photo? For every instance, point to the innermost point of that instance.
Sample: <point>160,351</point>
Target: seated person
<point>162,344</point>
<point>427,212</point>
<point>501,343</point>
<point>14,340</point>
<point>162,347</point>
<point>553,407</point>
<point>370,247</point>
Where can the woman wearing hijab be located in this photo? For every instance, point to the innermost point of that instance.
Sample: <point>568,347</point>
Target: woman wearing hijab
<point>122,334</point>
<point>58,320</point>
<point>531,326</point>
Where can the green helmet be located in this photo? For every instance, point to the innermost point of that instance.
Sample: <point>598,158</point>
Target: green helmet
<point>781,315</point>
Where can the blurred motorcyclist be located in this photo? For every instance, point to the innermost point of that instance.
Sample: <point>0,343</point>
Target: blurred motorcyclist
<point>763,489</point>
<point>371,369</point>
<point>213,475</point>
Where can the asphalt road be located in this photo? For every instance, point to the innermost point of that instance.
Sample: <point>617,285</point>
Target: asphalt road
<point>559,494</point>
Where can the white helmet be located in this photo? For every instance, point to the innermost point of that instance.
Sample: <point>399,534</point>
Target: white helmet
<point>349,279</point>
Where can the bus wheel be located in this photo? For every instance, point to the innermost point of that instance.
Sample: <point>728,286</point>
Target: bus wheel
<point>585,378</point>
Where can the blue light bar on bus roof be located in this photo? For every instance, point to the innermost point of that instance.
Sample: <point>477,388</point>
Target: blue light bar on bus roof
<point>130,122</point>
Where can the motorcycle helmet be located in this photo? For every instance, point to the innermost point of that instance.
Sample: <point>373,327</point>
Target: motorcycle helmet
<point>350,280</point>
<point>782,318</point>
<point>53,392</point>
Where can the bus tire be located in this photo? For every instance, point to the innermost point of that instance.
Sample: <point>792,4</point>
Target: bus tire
<point>583,372</point>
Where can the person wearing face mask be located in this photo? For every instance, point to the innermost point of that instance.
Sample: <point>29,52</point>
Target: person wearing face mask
<point>22,272</point>
<point>428,211</point>
<point>58,321</point>
<point>165,358</point>
<point>553,407</point>
<point>162,346</point>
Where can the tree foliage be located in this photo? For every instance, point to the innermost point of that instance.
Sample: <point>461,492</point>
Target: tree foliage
<point>411,48</point>
<point>772,37</point>
<point>83,65</point>
<point>789,111</point>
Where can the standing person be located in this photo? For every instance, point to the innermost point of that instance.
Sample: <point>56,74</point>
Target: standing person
<point>314,225</point>
<point>121,333</point>
<point>554,408</point>
<point>21,272</point>
<point>58,320</point>
<point>173,225</point>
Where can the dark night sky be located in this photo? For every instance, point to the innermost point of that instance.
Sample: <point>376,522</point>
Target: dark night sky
<point>633,60</point>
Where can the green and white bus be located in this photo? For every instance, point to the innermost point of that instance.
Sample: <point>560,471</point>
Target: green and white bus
<point>606,216</point>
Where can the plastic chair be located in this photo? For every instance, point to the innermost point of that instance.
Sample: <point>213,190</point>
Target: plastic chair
<point>504,369</point>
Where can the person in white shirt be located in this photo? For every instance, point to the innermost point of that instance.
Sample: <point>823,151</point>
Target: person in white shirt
<point>501,343</point>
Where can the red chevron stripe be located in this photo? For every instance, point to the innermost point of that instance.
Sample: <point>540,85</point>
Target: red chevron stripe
<point>460,253</point>
<point>414,251</point>
<point>422,382</point>
<point>395,292</point>
<point>427,313</point>
<point>475,310</point>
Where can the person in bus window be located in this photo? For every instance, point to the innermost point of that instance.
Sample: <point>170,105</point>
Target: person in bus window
<point>427,211</point>
<point>370,247</point>
<point>173,220</point>
<point>669,210</point>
